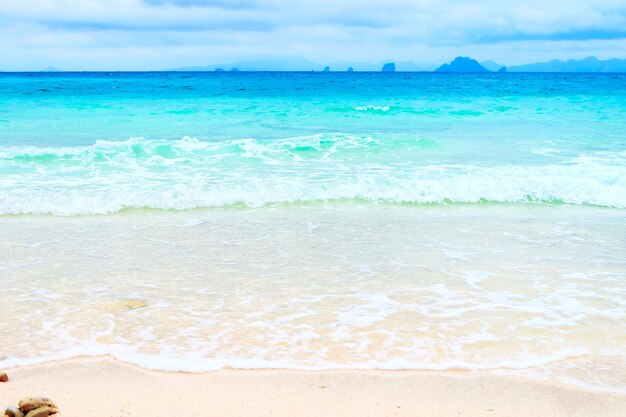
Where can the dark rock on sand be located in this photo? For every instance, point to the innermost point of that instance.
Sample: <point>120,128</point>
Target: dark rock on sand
<point>4,377</point>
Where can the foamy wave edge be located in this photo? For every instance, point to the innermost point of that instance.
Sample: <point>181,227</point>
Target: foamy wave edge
<point>193,365</point>
<point>188,174</point>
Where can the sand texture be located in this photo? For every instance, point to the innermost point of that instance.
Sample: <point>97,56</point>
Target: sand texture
<point>103,387</point>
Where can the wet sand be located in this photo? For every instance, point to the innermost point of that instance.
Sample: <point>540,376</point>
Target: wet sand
<point>103,387</point>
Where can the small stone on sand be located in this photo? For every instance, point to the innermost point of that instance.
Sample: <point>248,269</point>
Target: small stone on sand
<point>4,377</point>
<point>133,304</point>
<point>34,403</point>
<point>13,411</point>
<point>39,412</point>
<point>120,306</point>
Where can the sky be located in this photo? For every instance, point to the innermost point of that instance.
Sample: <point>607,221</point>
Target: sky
<point>165,34</point>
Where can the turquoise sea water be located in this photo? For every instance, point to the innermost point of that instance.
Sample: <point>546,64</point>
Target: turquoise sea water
<point>194,221</point>
<point>82,143</point>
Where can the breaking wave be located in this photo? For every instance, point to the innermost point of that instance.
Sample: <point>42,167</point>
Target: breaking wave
<point>108,176</point>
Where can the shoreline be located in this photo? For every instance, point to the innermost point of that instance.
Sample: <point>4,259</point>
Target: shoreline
<point>103,386</point>
<point>521,374</point>
<point>480,289</point>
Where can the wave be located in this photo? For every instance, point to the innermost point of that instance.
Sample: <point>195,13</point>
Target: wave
<point>108,176</point>
<point>373,108</point>
<point>196,363</point>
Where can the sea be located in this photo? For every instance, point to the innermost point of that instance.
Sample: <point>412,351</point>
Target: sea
<point>194,221</point>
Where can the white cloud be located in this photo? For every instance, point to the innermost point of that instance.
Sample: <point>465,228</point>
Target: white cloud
<point>158,34</point>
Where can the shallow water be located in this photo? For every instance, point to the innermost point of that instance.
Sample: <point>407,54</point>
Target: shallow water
<point>324,286</point>
<point>195,221</point>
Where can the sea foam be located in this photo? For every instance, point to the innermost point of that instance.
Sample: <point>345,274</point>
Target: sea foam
<point>514,288</point>
<point>107,176</point>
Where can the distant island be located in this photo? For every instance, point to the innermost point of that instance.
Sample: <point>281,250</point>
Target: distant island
<point>462,64</point>
<point>589,64</point>
<point>491,65</point>
<point>389,67</point>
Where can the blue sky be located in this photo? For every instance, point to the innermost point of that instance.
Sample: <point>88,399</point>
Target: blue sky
<point>163,34</point>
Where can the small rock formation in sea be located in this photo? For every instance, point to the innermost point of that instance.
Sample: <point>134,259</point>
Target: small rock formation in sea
<point>326,69</point>
<point>503,69</point>
<point>350,69</point>
<point>33,407</point>
<point>50,69</point>
<point>462,64</point>
<point>219,69</point>
<point>234,69</point>
<point>4,377</point>
<point>389,67</point>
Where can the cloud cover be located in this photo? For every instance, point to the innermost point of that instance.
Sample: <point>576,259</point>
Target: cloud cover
<point>161,34</point>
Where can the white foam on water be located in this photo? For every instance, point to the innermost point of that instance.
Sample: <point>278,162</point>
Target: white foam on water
<point>373,108</point>
<point>187,174</point>
<point>196,362</point>
<point>373,288</point>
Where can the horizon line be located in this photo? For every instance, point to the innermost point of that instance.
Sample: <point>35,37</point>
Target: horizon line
<point>313,71</point>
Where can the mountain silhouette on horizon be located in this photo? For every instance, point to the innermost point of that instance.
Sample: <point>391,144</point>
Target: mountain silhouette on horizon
<point>459,64</point>
<point>462,64</point>
<point>389,67</point>
<point>491,65</point>
<point>589,64</point>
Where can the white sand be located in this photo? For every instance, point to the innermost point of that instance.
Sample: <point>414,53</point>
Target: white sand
<point>103,387</point>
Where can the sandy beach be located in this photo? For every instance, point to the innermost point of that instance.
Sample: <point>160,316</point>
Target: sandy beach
<point>103,387</point>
